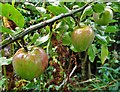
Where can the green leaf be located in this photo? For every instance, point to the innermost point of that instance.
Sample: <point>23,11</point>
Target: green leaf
<point>30,6</point>
<point>42,40</point>
<point>116,6</point>
<point>111,29</point>
<point>98,8</point>
<point>35,37</point>
<point>62,26</point>
<point>66,40</point>
<point>4,61</point>
<point>13,14</point>
<point>56,10</point>
<point>101,39</point>
<point>87,12</point>
<point>6,30</point>
<point>110,69</point>
<point>2,82</point>
<point>92,50</point>
<point>104,53</point>
<point>73,48</point>
<point>41,10</point>
<point>30,85</point>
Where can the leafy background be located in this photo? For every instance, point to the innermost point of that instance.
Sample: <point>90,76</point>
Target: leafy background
<point>103,54</point>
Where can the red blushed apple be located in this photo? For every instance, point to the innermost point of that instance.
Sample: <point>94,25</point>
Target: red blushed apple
<point>30,64</point>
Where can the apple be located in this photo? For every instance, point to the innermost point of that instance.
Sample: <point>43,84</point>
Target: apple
<point>82,38</point>
<point>103,18</point>
<point>30,64</point>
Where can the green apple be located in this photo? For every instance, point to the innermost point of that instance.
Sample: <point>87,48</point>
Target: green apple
<point>82,38</point>
<point>103,18</point>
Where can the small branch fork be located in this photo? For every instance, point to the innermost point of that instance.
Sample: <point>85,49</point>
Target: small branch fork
<point>30,29</point>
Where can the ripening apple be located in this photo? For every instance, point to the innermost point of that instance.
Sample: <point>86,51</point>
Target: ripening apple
<point>30,64</point>
<point>82,38</point>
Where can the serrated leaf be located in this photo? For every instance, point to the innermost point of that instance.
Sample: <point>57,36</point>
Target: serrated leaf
<point>111,29</point>
<point>92,50</point>
<point>66,40</point>
<point>104,53</point>
<point>87,11</point>
<point>13,14</point>
<point>42,40</point>
<point>6,30</point>
<point>101,39</point>
<point>4,61</point>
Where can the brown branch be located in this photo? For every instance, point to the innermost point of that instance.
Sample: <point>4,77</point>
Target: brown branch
<point>20,35</point>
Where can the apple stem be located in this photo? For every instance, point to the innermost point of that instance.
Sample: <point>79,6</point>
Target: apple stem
<point>77,22</point>
<point>19,45</point>
<point>24,45</point>
<point>72,15</point>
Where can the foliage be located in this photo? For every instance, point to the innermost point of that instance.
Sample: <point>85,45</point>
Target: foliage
<point>102,58</point>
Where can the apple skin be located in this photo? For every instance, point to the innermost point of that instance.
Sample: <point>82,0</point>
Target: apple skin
<point>82,38</point>
<point>31,64</point>
<point>105,18</point>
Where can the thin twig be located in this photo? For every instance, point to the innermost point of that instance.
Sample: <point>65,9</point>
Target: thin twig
<point>73,71</point>
<point>89,70</point>
<point>32,28</point>
<point>89,80</point>
<point>64,81</point>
